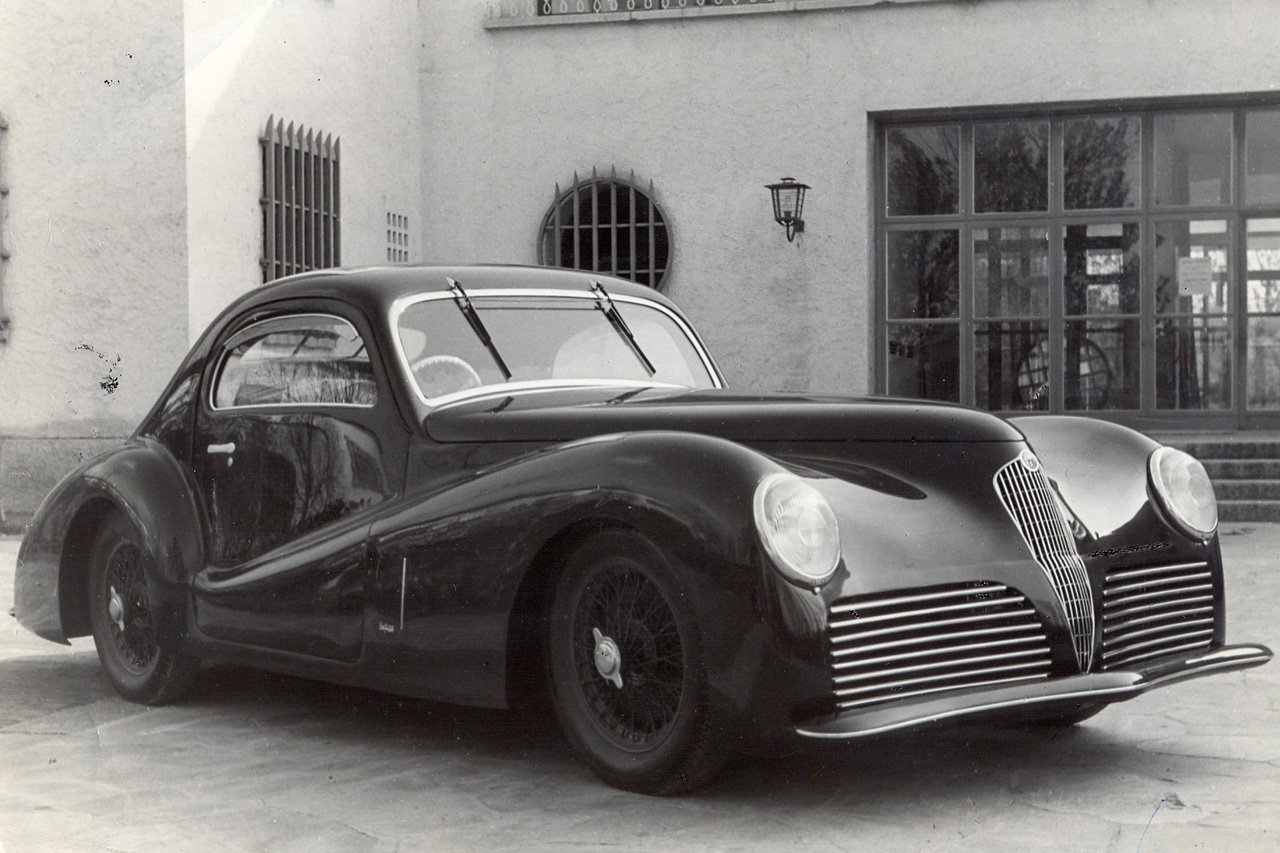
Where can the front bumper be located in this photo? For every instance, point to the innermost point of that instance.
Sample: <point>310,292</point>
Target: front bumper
<point>1093,687</point>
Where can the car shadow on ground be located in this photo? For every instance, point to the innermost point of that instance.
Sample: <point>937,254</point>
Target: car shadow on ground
<point>945,762</point>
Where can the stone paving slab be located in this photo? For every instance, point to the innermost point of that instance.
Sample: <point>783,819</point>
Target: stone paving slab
<point>263,762</point>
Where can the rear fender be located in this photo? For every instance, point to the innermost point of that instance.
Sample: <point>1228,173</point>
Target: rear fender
<point>145,483</point>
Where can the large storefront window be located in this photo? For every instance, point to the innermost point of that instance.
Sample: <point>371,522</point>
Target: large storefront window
<point>1124,263</point>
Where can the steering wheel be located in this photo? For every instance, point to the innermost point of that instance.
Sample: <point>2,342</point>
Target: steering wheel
<point>444,374</point>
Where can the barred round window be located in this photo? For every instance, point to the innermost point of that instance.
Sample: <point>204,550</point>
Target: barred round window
<point>607,225</point>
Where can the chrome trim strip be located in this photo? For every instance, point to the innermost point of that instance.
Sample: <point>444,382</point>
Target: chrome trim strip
<point>1133,647</point>
<point>942,665</point>
<point>1121,625</point>
<point>933,596</point>
<point>1165,593</point>
<point>933,652</point>
<point>925,611</point>
<point>915,641</point>
<point>1124,574</point>
<point>1172,580</point>
<point>1198,644</point>
<point>854,703</point>
<point>1112,613</point>
<point>887,687</point>
<point>921,626</point>
<point>1123,637</point>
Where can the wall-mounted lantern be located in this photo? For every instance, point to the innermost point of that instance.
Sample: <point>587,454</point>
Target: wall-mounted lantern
<point>788,202</point>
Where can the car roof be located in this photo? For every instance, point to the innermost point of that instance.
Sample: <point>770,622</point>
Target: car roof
<point>374,289</point>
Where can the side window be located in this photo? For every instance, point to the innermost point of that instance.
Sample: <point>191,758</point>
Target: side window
<point>307,359</point>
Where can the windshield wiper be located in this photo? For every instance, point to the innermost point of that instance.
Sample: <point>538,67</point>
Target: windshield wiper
<point>605,304</point>
<point>477,325</point>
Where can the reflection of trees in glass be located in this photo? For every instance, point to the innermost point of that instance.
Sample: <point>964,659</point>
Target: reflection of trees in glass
<point>924,274</point>
<point>923,171</point>
<point>924,361</point>
<point>1097,155</point>
<point>1011,167</point>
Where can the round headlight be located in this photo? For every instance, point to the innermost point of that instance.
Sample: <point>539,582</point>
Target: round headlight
<point>1185,491</point>
<point>798,529</point>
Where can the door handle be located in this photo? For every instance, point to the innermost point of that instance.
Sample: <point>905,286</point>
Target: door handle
<point>229,447</point>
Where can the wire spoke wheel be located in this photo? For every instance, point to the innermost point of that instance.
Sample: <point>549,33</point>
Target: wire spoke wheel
<point>625,667</point>
<point>122,618</point>
<point>129,610</point>
<point>623,606</point>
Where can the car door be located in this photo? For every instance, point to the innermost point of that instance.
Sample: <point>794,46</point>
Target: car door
<point>297,437</point>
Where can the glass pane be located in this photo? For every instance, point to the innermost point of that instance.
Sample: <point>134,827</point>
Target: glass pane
<point>923,274</point>
<point>1262,156</point>
<point>1101,162</point>
<point>1010,272</point>
<point>923,166</point>
<point>1191,267</point>
<point>924,361</point>
<point>1193,363</point>
<point>1263,253</point>
<point>306,359</point>
<point>1011,166</point>
<point>1101,268</point>
<point>1011,366</point>
<point>1101,364</point>
<point>1193,158</point>
<point>1264,363</point>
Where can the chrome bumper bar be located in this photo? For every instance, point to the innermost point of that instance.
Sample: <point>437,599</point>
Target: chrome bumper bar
<point>1093,687</point>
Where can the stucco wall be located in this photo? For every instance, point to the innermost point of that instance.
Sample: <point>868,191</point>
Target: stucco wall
<point>96,226</point>
<point>714,108</point>
<point>345,67</point>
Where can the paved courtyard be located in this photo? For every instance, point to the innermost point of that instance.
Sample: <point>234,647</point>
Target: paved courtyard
<point>263,762</point>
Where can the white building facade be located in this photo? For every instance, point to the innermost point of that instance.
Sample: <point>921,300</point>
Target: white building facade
<point>1061,205</point>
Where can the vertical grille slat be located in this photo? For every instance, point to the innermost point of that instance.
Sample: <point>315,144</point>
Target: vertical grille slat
<point>917,653</point>
<point>1029,499</point>
<point>1151,611</point>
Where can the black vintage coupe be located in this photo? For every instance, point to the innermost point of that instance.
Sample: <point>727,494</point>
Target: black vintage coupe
<point>471,484</point>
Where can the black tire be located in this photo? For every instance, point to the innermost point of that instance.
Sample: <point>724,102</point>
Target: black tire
<point>121,617</point>
<point>654,734</point>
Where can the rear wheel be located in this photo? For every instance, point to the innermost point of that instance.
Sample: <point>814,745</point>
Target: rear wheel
<point>626,669</point>
<point>121,616</point>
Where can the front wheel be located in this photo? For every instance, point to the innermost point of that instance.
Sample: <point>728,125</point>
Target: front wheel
<point>626,670</point>
<point>121,616</point>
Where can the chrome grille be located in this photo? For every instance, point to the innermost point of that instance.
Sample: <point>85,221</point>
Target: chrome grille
<point>914,642</point>
<point>1026,494</point>
<point>1155,610</point>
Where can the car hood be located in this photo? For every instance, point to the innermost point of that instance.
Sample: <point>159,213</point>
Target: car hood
<point>567,414</point>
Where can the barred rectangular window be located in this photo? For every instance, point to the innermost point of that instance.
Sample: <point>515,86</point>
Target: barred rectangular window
<point>301,219</point>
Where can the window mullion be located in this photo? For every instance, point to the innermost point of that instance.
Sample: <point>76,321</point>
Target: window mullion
<point>967,377</point>
<point>1056,267</point>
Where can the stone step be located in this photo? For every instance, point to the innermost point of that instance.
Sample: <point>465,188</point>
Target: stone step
<point>1242,469</point>
<point>1247,490</point>
<point>1228,448</point>
<point>1249,510</point>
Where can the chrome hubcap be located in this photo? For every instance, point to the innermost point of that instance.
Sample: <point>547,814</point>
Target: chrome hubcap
<point>115,609</point>
<point>608,658</point>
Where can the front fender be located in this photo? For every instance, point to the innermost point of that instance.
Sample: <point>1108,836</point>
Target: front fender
<point>143,481</point>
<point>458,557</point>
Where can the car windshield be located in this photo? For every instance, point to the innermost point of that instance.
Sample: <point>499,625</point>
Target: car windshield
<point>541,339</point>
